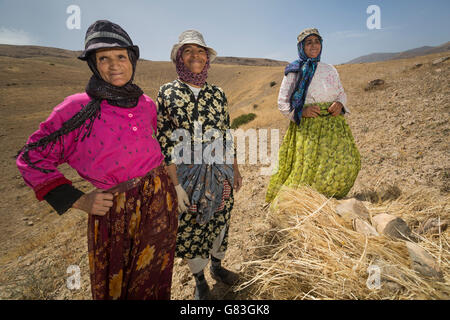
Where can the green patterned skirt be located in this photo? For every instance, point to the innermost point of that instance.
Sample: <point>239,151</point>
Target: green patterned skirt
<point>320,153</point>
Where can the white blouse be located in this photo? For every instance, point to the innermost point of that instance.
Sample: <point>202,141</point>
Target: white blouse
<point>194,90</point>
<point>325,86</point>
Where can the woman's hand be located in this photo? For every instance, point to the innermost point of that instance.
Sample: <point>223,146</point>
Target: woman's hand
<point>95,202</point>
<point>335,109</point>
<point>311,112</point>
<point>183,199</point>
<point>237,177</point>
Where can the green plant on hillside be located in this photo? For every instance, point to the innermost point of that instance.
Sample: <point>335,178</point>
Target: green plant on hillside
<point>242,119</point>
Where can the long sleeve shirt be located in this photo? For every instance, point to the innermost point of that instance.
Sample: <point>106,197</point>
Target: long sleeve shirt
<point>325,86</point>
<point>122,146</point>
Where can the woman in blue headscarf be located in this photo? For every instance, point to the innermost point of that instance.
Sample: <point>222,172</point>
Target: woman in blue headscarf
<point>318,149</point>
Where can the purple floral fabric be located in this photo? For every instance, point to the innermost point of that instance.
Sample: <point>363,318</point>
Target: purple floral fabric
<point>187,75</point>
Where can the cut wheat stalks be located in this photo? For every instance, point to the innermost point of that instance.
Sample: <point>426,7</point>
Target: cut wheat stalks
<point>319,256</point>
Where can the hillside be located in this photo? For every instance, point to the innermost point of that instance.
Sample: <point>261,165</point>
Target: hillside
<point>21,52</point>
<point>402,130</point>
<point>376,57</point>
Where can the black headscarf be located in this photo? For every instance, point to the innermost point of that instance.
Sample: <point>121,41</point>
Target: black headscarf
<point>101,34</point>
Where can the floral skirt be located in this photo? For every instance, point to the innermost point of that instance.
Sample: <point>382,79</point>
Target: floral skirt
<point>320,153</point>
<point>195,240</point>
<point>131,248</point>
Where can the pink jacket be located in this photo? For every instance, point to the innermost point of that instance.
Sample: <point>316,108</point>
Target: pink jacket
<point>122,146</point>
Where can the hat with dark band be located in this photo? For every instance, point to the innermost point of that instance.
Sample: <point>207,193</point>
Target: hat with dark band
<point>106,34</point>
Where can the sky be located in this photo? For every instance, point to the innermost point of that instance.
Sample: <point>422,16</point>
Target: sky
<point>240,28</point>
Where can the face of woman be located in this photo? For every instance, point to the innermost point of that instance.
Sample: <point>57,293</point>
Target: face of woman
<point>114,66</point>
<point>194,58</point>
<point>312,46</point>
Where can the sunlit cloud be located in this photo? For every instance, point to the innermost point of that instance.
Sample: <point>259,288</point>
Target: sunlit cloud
<point>16,37</point>
<point>347,34</point>
<point>352,34</point>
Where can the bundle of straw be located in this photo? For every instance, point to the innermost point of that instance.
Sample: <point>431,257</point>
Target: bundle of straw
<point>317,255</point>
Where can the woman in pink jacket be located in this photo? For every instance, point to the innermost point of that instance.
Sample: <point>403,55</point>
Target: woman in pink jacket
<point>108,135</point>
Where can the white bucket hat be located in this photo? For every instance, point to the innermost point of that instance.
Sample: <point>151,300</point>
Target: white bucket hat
<point>191,37</point>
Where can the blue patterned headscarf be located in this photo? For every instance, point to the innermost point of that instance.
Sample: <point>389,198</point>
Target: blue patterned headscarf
<point>307,67</point>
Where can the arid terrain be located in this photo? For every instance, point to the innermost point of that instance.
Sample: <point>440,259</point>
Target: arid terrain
<point>401,129</point>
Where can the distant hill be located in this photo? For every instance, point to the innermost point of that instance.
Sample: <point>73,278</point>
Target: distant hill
<point>250,61</point>
<point>14,51</point>
<point>375,57</point>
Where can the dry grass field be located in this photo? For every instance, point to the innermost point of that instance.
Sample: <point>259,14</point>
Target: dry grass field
<point>401,129</point>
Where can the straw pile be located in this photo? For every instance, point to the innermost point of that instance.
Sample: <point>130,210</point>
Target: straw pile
<point>313,253</point>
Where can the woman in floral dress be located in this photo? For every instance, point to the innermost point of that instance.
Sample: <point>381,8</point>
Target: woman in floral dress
<point>198,111</point>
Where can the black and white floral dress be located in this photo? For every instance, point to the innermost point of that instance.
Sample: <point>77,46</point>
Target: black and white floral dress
<point>178,108</point>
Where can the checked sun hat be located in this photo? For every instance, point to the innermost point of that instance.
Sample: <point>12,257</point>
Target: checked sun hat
<point>191,37</point>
